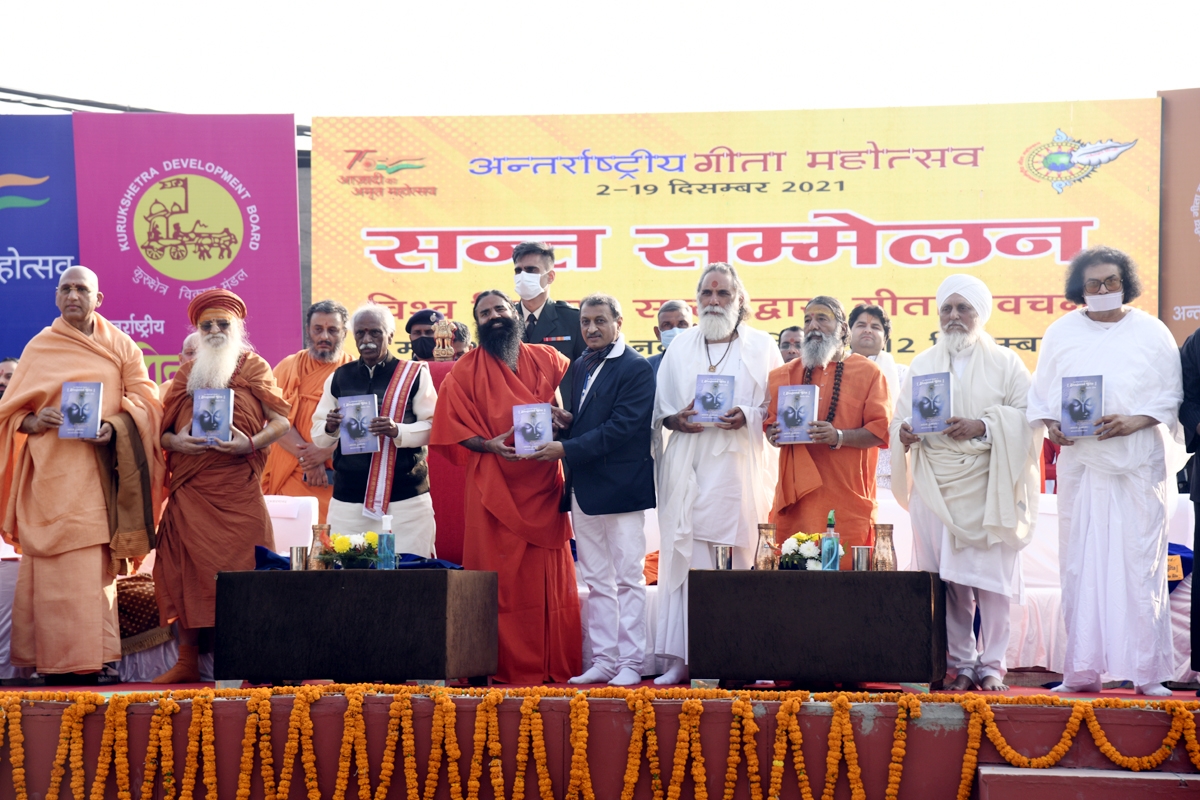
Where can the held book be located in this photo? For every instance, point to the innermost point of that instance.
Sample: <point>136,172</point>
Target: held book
<point>357,412</point>
<point>714,398</point>
<point>81,410</point>
<point>796,409</point>
<point>212,415</point>
<point>1082,405</point>
<point>931,402</point>
<point>533,427</point>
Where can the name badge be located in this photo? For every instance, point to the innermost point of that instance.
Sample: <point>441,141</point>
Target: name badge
<point>1174,568</point>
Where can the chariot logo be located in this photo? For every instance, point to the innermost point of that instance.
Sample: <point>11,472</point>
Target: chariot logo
<point>188,226</point>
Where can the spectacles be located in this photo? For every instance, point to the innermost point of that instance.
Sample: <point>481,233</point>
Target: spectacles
<point>215,324</point>
<point>1112,283</point>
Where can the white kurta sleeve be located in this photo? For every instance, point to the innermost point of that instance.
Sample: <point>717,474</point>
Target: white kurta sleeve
<point>328,403</point>
<point>416,434</point>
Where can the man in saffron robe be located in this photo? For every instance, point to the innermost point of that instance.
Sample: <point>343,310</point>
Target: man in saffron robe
<point>215,513</point>
<point>837,470</point>
<point>296,467</point>
<point>514,525</point>
<point>65,610</point>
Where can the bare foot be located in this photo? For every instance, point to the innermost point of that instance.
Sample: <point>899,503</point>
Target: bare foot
<point>991,683</point>
<point>962,683</point>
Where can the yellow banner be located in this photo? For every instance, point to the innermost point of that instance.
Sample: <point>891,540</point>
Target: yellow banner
<point>872,205</point>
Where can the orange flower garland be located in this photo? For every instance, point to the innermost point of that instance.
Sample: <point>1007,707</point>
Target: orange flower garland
<point>159,756</point>
<point>581,774</point>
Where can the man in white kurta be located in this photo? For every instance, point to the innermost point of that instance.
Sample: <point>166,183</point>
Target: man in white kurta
<point>715,484</point>
<point>971,491</point>
<point>1113,488</point>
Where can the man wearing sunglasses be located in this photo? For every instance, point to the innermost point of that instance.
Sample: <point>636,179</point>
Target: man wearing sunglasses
<point>215,513</point>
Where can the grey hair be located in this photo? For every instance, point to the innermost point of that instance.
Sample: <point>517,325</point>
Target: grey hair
<point>389,321</point>
<point>462,334</point>
<point>597,299</point>
<point>326,307</point>
<point>727,269</point>
<point>677,305</point>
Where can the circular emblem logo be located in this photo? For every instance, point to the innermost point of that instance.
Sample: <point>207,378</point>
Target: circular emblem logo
<point>188,226</point>
<point>1052,162</point>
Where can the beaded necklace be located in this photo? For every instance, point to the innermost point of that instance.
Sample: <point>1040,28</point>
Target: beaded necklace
<point>837,388</point>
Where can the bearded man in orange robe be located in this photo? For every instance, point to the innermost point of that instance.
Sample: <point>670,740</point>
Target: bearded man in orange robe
<point>513,523</point>
<point>297,466</point>
<point>215,512</point>
<point>55,509</point>
<point>837,470</point>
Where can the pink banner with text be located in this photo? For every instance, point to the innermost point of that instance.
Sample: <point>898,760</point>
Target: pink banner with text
<point>171,205</point>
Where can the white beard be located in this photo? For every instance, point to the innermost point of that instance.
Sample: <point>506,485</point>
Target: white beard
<point>216,358</point>
<point>957,341</point>
<point>818,350</point>
<point>718,323</point>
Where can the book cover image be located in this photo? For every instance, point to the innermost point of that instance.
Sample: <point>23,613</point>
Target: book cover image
<point>212,415</point>
<point>930,402</point>
<point>797,408</point>
<point>81,410</point>
<point>714,398</point>
<point>1082,405</point>
<point>533,427</point>
<point>357,412</point>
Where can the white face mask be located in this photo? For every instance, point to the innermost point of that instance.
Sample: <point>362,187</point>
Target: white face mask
<point>667,336</point>
<point>1104,302</point>
<point>529,285</point>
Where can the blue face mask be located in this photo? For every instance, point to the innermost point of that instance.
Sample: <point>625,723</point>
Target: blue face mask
<point>668,336</point>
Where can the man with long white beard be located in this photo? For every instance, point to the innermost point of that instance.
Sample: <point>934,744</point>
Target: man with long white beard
<point>215,512</point>
<point>1113,488</point>
<point>714,483</point>
<point>975,486</point>
<point>836,471</point>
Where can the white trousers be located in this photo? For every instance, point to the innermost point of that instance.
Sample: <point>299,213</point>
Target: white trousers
<point>963,654</point>
<point>612,556</point>
<point>671,638</point>
<point>412,523</point>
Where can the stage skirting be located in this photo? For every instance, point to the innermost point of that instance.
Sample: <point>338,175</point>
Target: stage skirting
<point>923,745</point>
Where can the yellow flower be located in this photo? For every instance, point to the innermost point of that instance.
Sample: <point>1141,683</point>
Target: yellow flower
<point>341,544</point>
<point>372,538</point>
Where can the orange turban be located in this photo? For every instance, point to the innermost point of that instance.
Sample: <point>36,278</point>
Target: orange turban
<point>215,298</point>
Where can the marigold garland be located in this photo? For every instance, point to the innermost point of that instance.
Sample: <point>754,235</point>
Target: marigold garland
<point>159,760</point>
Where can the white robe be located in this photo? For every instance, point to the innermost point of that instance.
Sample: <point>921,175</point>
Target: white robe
<point>1112,495</point>
<point>713,487</point>
<point>973,503</point>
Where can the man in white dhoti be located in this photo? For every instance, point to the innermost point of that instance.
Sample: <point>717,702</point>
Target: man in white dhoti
<point>972,491</point>
<point>715,484</point>
<point>1112,489</point>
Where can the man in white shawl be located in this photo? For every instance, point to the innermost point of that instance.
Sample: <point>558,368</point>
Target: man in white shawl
<point>715,484</point>
<point>1113,487</point>
<point>971,490</point>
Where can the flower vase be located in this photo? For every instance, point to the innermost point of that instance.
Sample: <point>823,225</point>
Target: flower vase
<point>356,563</point>
<point>766,554</point>
<point>321,543</point>
<point>884,558</point>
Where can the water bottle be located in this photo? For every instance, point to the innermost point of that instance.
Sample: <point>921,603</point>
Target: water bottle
<point>387,545</point>
<point>830,546</point>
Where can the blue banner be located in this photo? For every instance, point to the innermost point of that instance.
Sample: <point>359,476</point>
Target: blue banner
<point>39,234</point>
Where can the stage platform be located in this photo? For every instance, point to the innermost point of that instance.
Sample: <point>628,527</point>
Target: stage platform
<point>933,764</point>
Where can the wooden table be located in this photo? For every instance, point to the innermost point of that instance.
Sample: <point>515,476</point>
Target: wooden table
<point>356,625</point>
<point>833,626</point>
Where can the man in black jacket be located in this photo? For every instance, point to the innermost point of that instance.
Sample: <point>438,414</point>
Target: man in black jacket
<point>546,321</point>
<point>367,486</point>
<point>609,486</point>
